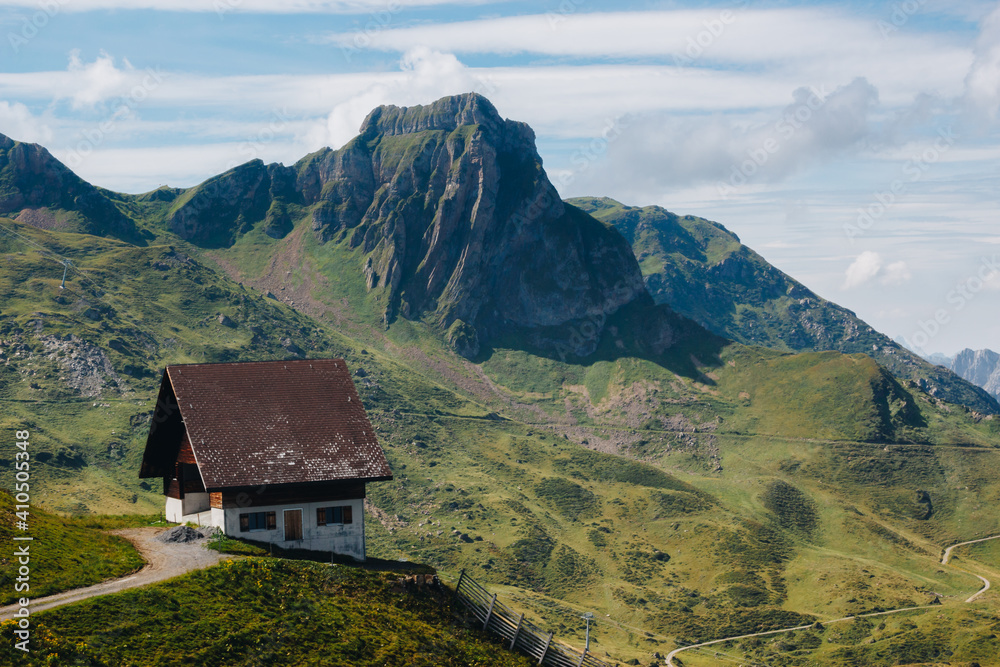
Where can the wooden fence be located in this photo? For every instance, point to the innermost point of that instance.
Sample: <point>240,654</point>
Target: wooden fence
<point>522,634</point>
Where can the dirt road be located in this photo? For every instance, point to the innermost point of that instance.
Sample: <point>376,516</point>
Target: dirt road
<point>947,552</point>
<point>944,561</point>
<point>163,561</point>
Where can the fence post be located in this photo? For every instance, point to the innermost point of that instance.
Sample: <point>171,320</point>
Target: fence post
<point>489,612</point>
<point>582,658</point>
<point>545,650</point>
<point>517,631</point>
<point>459,584</point>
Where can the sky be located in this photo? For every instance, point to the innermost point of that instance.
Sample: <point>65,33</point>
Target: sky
<point>854,145</point>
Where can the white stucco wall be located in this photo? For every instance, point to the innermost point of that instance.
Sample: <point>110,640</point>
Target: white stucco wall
<point>192,503</point>
<point>347,539</point>
<point>174,510</point>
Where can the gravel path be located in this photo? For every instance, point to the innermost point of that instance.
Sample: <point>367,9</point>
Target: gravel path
<point>163,561</point>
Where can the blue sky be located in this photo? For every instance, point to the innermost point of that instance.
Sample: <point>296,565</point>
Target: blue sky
<point>854,145</point>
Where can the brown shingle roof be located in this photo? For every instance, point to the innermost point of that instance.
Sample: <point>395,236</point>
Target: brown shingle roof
<point>273,422</point>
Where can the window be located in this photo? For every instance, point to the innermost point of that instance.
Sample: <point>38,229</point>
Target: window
<point>257,521</point>
<point>326,516</point>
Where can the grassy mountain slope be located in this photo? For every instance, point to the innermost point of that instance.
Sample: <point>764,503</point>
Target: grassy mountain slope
<point>261,611</point>
<point>627,461</point>
<point>63,555</point>
<point>701,270</point>
<point>651,529</point>
<point>80,365</point>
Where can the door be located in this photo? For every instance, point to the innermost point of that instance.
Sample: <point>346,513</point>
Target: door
<point>293,525</point>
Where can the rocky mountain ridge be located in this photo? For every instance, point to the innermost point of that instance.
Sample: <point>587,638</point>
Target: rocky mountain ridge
<point>43,192</point>
<point>453,213</point>
<point>703,271</point>
<point>447,214</point>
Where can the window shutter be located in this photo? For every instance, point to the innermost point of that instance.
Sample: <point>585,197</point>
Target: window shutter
<point>272,522</point>
<point>320,516</point>
<point>244,523</point>
<point>348,514</point>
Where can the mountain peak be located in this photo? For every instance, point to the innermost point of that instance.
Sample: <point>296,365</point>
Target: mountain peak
<point>34,186</point>
<point>447,113</point>
<point>463,227</point>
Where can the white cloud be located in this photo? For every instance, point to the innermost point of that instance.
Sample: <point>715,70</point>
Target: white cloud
<point>97,81</point>
<point>85,85</point>
<point>223,7</point>
<point>863,269</point>
<point>818,45</point>
<point>896,274</point>
<point>143,169</point>
<point>868,266</point>
<point>18,123</point>
<point>982,83</point>
<point>782,245</point>
<point>716,34</point>
<point>667,150</point>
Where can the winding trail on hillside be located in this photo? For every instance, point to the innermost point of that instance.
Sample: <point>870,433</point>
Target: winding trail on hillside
<point>944,561</point>
<point>947,552</point>
<point>163,561</point>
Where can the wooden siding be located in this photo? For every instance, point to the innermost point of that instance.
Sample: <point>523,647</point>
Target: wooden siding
<point>186,454</point>
<point>288,494</point>
<point>172,488</point>
<point>215,500</point>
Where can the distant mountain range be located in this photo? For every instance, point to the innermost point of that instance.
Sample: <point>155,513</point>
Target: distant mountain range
<point>457,222</point>
<point>980,367</point>
<point>701,270</point>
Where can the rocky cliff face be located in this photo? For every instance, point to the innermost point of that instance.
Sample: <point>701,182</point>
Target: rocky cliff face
<point>981,367</point>
<point>453,213</point>
<point>40,190</point>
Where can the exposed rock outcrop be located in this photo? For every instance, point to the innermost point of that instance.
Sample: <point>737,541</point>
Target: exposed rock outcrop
<point>222,208</point>
<point>454,215</point>
<point>45,193</point>
<point>86,367</point>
